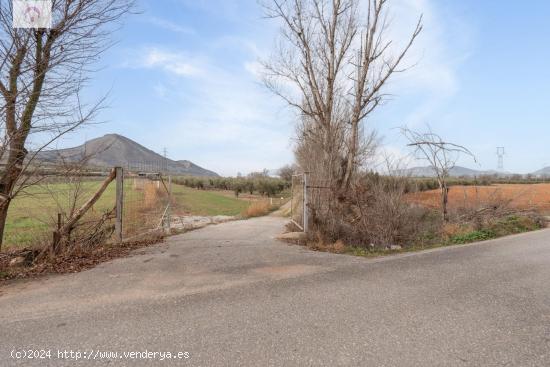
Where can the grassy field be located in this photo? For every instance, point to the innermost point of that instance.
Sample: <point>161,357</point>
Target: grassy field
<point>201,202</point>
<point>33,214</point>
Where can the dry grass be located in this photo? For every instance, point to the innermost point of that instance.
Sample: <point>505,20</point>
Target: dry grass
<point>316,241</point>
<point>519,196</point>
<point>338,247</point>
<point>452,229</point>
<point>152,191</point>
<point>257,209</point>
<point>69,262</point>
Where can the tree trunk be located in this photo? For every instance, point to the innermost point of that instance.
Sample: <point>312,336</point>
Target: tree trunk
<point>8,180</point>
<point>3,217</point>
<point>444,201</point>
<point>66,229</point>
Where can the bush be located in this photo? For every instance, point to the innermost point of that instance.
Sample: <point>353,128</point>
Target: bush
<point>517,224</point>
<point>257,209</point>
<point>508,225</point>
<point>373,214</point>
<point>475,236</point>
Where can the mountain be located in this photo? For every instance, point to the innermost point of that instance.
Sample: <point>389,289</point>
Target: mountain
<point>457,171</point>
<point>117,150</point>
<point>542,172</point>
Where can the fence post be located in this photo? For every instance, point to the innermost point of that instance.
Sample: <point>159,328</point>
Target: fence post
<point>305,203</point>
<point>292,198</point>
<point>168,212</point>
<point>119,202</point>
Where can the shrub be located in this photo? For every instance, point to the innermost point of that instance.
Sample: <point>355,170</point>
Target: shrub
<point>373,214</point>
<point>516,224</point>
<point>257,209</point>
<point>475,236</point>
<point>508,225</point>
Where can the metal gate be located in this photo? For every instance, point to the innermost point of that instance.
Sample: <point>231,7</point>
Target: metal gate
<point>298,201</point>
<point>147,201</point>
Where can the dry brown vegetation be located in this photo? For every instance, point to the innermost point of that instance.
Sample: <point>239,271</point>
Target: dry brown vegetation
<point>257,209</point>
<point>152,194</point>
<point>380,214</point>
<point>67,262</point>
<point>374,214</point>
<point>517,196</point>
<point>83,236</point>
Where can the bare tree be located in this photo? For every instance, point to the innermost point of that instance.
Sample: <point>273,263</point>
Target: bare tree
<point>441,156</point>
<point>42,72</point>
<point>286,172</point>
<point>331,65</point>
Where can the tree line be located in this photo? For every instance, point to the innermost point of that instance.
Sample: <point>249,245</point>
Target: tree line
<point>263,185</point>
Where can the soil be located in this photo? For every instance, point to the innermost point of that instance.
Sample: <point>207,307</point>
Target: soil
<point>520,196</point>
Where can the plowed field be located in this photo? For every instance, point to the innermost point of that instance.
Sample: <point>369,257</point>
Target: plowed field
<point>521,196</point>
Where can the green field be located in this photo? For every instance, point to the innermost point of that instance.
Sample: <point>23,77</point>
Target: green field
<point>201,202</point>
<point>33,214</point>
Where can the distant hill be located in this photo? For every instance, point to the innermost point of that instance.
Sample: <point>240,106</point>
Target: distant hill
<point>457,171</point>
<point>542,172</point>
<point>116,150</point>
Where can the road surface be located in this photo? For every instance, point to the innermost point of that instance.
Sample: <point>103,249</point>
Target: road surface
<point>231,295</point>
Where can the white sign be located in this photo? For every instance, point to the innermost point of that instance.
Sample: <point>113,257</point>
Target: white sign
<point>32,13</point>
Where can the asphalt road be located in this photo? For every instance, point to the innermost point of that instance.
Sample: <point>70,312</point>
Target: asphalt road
<point>231,295</point>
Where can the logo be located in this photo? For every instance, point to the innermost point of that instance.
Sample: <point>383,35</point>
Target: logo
<point>32,13</point>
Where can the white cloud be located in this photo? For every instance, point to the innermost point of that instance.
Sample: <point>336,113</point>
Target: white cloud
<point>423,93</point>
<point>235,123</point>
<point>169,25</point>
<point>228,122</point>
<point>254,68</point>
<point>434,58</point>
<point>172,62</point>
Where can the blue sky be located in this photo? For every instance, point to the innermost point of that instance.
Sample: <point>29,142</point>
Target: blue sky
<point>184,76</point>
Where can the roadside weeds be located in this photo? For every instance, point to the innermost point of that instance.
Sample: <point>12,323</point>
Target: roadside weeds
<point>507,226</point>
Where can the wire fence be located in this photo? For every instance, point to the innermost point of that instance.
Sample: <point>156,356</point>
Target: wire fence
<point>134,203</point>
<point>47,201</point>
<point>147,200</point>
<point>309,199</point>
<point>138,202</point>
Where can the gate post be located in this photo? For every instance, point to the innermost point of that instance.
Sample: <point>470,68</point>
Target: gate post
<point>119,201</point>
<point>305,203</point>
